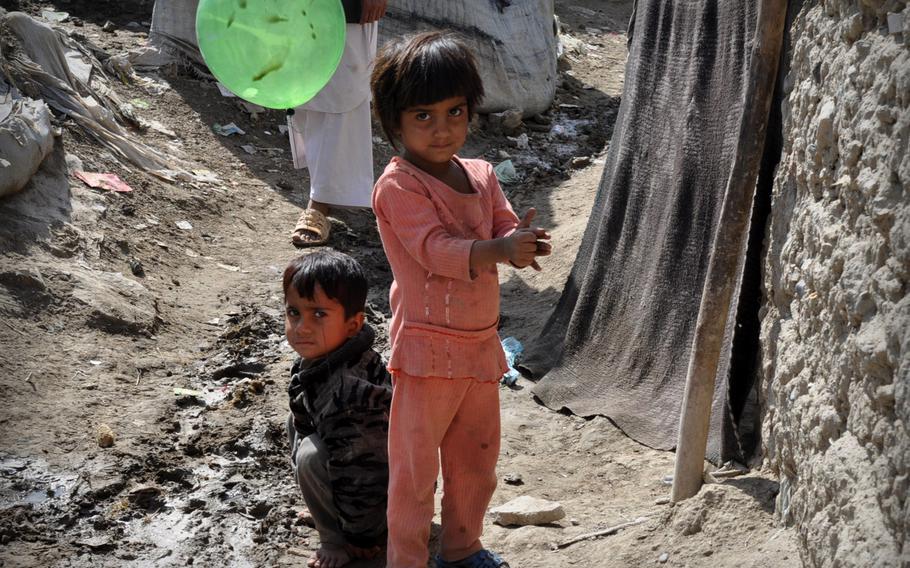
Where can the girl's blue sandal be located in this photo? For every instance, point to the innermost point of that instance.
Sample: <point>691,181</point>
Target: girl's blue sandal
<point>481,559</point>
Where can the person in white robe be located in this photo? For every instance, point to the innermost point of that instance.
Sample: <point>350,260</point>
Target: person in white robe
<point>331,134</point>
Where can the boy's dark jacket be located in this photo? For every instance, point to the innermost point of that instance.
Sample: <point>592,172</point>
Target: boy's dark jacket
<point>345,399</point>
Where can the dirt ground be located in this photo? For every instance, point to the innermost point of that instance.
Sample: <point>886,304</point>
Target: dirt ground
<point>108,306</point>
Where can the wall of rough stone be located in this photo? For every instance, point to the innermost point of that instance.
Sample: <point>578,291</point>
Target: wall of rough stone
<point>836,323</point>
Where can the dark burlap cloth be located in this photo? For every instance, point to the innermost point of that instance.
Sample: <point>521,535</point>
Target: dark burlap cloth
<point>619,341</point>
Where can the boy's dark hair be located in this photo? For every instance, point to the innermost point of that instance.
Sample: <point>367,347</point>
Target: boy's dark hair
<point>340,277</point>
<point>422,69</point>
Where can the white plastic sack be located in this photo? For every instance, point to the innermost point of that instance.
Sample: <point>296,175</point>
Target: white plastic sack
<point>514,42</point>
<point>25,140</point>
<point>172,35</point>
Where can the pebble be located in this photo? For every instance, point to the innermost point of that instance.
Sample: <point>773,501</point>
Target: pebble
<point>581,161</point>
<point>662,559</point>
<point>527,510</point>
<point>136,267</point>
<point>513,479</point>
<point>105,436</point>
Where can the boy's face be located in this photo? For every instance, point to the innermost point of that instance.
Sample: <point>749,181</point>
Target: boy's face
<point>431,134</point>
<point>316,327</point>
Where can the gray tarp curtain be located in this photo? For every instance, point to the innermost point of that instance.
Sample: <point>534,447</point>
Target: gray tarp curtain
<point>619,340</point>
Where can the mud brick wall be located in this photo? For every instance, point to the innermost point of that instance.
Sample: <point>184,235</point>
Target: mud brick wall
<point>836,323</point>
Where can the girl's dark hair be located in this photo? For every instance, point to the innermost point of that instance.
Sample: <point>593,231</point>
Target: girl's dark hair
<point>340,277</point>
<point>422,69</point>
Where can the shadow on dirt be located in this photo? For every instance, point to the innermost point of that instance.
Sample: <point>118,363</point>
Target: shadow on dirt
<point>764,491</point>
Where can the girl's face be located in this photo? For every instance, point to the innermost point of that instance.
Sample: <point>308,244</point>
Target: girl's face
<point>431,134</point>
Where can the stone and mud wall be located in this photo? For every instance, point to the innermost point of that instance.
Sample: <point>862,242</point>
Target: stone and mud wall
<point>836,323</point>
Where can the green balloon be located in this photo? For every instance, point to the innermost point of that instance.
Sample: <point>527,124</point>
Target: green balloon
<point>275,53</point>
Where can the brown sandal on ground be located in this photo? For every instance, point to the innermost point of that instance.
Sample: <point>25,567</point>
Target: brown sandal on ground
<point>312,229</point>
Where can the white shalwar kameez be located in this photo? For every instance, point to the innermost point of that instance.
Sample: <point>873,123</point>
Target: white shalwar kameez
<point>331,134</point>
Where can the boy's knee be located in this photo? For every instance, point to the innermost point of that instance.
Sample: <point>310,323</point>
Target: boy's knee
<point>310,460</point>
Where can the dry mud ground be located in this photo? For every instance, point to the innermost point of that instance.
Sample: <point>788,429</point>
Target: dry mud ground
<point>88,339</point>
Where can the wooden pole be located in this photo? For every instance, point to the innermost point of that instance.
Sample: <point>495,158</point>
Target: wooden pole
<point>731,234</point>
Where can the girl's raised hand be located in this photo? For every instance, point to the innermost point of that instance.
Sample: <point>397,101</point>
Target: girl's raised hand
<point>528,242</point>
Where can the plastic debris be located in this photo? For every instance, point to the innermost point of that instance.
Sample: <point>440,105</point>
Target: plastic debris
<point>185,225</point>
<point>225,92</point>
<point>227,129</point>
<point>506,172</point>
<point>513,349</point>
<point>110,182</point>
<point>53,16</point>
<point>139,103</point>
<point>207,176</point>
<point>187,392</point>
<point>521,141</point>
<point>249,148</point>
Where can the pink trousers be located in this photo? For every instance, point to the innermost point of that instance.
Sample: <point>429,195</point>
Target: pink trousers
<point>454,422</point>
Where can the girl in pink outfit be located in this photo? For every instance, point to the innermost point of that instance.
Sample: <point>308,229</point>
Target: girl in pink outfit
<point>445,224</point>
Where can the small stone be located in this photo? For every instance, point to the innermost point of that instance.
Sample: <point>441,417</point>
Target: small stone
<point>513,479</point>
<point>662,559</point>
<point>147,497</point>
<point>581,161</point>
<point>527,510</point>
<point>136,268</point>
<point>109,27</point>
<point>105,436</point>
<point>511,119</point>
<point>184,225</point>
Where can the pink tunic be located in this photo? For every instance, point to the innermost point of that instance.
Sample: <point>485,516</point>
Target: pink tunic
<point>444,319</point>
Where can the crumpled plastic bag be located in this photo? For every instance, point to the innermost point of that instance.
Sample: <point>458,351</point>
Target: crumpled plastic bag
<point>506,172</point>
<point>26,139</point>
<point>513,349</point>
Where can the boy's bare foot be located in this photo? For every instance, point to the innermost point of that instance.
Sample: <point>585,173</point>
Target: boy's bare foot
<point>329,556</point>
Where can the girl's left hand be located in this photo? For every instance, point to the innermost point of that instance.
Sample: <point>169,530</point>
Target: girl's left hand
<point>543,248</point>
<point>372,10</point>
